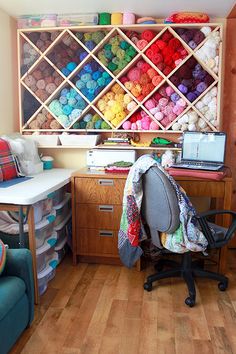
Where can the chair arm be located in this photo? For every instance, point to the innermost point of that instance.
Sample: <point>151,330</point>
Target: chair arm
<point>215,212</point>
<point>19,264</point>
<point>202,221</point>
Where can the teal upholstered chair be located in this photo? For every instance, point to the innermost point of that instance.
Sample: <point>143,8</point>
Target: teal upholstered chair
<point>16,297</point>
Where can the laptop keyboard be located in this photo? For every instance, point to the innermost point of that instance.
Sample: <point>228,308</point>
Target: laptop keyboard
<point>199,166</point>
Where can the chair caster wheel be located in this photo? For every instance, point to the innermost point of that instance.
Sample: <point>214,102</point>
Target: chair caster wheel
<point>222,286</point>
<point>147,286</point>
<point>190,301</point>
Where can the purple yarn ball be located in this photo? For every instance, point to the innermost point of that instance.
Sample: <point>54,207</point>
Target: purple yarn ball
<point>192,44</point>
<point>197,67</point>
<point>187,82</point>
<point>183,88</point>
<point>191,96</point>
<point>174,97</point>
<point>180,31</point>
<point>201,87</point>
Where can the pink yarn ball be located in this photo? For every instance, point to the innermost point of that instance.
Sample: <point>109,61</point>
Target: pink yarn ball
<point>178,62</point>
<point>169,91</point>
<point>41,84</point>
<point>181,102</point>
<point>134,74</point>
<point>168,110</point>
<point>144,115</point>
<point>154,126</point>
<point>124,79</point>
<point>155,110</point>
<point>149,104</point>
<point>159,116</point>
<point>163,102</point>
<point>126,125</point>
<point>140,64</point>
<point>171,117</point>
<point>139,124</point>
<point>141,44</point>
<point>145,124</point>
<point>162,91</point>
<point>178,110</point>
<point>134,126</point>
<point>165,122</point>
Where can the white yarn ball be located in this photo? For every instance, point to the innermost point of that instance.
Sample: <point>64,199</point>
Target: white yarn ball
<point>206,30</point>
<point>184,127</point>
<point>192,127</point>
<point>206,99</point>
<point>201,123</point>
<point>213,91</point>
<point>199,104</point>
<point>176,126</point>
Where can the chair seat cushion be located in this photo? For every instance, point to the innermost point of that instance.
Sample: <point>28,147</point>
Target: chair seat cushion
<point>219,232</point>
<point>11,291</point>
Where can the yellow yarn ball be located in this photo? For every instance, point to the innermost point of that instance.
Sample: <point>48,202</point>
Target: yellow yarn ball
<point>117,89</point>
<point>120,116</point>
<point>127,99</point>
<point>116,108</point>
<point>119,97</point>
<point>110,95</point>
<point>129,85</point>
<point>109,115</point>
<point>111,103</point>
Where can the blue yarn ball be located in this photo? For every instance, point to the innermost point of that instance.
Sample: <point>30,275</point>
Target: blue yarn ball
<point>82,56</point>
<point>64,92</point>
<point>90,97</point>
<point>98,124</point>
<point>71,66</point>
<point>63,100</point>
<point>96,75</point>
<point>105,75</point>
<point>90,45</point>
<point>82,72</point>
<point>72,101</point>
<point>80,105</point>
<point>91,84</point>
<point>78,97</point>
<point>73,92</point>
<point>108,80</point>
<point>67,109</point>
<point>86,77</point>
<point>65,71</point>
<point>80,84</point>
<point>87,117</point>
<point>88,68</point>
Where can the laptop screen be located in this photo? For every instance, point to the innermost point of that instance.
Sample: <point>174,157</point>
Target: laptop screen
<point>204,146</point>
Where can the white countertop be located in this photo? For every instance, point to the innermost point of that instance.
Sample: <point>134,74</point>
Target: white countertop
<point>36,188</point>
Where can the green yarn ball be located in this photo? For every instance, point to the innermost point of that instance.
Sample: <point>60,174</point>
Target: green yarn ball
<point>80,36</point>
<point>108,54</point>
<point>107,46</point>
<point>131,51</point>
<point>120,53</point>
<point>76,125</point>
<point>90,125</point>
<point>98,36</point>
<point>124,45</point>
<point>114,49</point>
<point>87,36</point>
<point>83,125</point>
<point>105,125</point>
<point>112,66</point>
<point>95,118</point>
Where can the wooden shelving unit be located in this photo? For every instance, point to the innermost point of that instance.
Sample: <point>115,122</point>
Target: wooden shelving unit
<point>32,57</point>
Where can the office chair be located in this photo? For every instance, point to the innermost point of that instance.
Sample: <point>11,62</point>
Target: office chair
<point>160,212</point>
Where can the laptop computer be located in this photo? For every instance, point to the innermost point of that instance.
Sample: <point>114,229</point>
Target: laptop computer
<point>202,151</point>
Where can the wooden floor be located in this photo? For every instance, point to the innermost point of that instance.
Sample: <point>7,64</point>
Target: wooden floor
<point>104,309</point>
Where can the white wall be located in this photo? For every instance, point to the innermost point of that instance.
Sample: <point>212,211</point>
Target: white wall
<point>8,74</point>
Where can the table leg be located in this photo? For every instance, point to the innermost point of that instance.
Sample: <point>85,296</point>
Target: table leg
<point>32,248</point>
<point>21,227</point>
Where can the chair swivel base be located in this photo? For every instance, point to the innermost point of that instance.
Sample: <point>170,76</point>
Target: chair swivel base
<point>187,270</point>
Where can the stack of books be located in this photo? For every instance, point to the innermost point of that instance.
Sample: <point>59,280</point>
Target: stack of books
<point>117,141</point>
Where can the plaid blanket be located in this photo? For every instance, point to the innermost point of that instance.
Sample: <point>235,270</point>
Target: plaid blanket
<point>186,238</point>
<point>7,163</point>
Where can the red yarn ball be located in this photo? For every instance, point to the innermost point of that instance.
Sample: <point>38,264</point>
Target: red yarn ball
<point>166,36</point>
<point>145,67</point>
<point>161,44</point>
<point>148,35</point>
<point>174,43</point>
<point>167,70</point>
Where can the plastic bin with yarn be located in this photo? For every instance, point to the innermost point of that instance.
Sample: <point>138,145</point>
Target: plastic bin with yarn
<point>58,195</point>
<point>44,277</point>
<point>46,253</point>
<point>43,230</point>
<point>63,209</point>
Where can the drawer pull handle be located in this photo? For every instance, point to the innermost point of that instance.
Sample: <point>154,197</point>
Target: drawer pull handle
<point>104,233</point>
<point>106,182</point>
<point>109,208</point>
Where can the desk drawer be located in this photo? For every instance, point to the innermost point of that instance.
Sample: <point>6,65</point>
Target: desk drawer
<point>99,190</point>
<point>97,242</point>
<point>98,216</point>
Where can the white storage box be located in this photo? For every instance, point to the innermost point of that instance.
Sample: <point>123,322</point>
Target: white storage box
<point>88,19</point>
<point>44,140</point>
<point>58,195</point>
<point>44,277</point>
<point>63,209</point>
<point>44,229</point>
<point>61,229</point>
<point>79,140</point>
<point>61,250</point>
<point>45,254</point>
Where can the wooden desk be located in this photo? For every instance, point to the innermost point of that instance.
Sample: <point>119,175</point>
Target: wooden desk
<point>22,196</point>
<point>88,193</point>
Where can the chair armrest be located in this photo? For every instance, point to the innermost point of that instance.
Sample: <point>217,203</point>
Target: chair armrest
<point>206,229</point>
<point>19,264</point>
<point>215,212</point>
